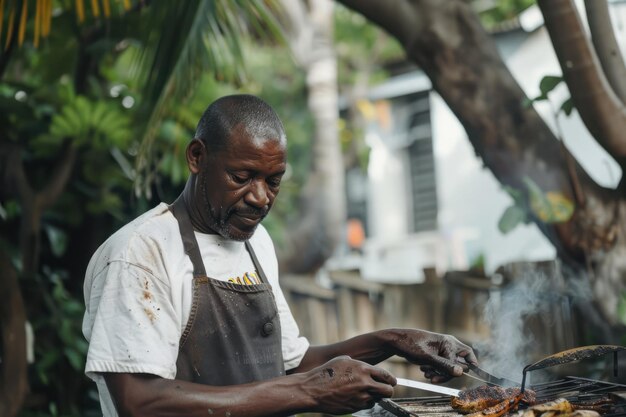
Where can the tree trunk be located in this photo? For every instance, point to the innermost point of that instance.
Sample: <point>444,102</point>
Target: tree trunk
<point>605,44</point>
<point>446,40</point>
<point>323,206</point>
<point>598,105</point>
<point>14,383</point>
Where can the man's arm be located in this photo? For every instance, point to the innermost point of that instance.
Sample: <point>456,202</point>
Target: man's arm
<point>441,356</point>
<point>342,385</point>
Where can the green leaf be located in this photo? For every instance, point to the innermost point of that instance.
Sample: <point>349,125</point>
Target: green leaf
<point>548,83</point>
<point>517,195</point>
<point>98,119</point>
<point>540,97</point>
<point>621,308</point>
<point>568,106</point>
<point>177,171</point>
<point>549,207</point>
<point>73,308</point>
<point>528,102</point>
<point>100,123</point>
<point>74,120</point>
<point>75,359</point>
<point>61,127</point>
<point>58,240</point>
<point>511,217</point>
<point>54,411</point>
<point>48,359</point>
<point>561,206</point>
<point>538,202</point>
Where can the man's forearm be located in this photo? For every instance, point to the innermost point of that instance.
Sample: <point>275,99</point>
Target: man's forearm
<point>342,385</point>
<point>371,347</point>
<point>140,395</point>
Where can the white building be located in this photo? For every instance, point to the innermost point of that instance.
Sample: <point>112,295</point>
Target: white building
<point>428,201</point>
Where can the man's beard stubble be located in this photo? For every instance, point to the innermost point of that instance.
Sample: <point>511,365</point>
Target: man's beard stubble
<point>219,224</point>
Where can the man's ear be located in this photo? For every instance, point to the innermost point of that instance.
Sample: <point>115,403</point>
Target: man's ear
<point>196,152</point>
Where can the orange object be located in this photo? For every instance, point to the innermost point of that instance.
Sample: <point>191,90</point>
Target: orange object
<point>356,233</point>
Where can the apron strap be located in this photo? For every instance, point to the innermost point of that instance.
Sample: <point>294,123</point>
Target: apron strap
<point>256,263</point>
<point>179,210</point>
<point>190,243</point>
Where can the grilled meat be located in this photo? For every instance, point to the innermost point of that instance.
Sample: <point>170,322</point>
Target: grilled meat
<point>504,407</point>
<point>560,405</point>
<point>557,408</point>
<point>484,396</point>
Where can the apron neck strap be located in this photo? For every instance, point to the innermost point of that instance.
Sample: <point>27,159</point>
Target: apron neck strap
<point>256,262</point>
<point>179,210</point>
<point>190,243</point>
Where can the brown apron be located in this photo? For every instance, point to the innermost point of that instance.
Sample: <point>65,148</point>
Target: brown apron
<point>233,334</point>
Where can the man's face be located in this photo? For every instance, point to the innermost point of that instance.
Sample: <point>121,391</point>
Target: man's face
<point>238,185</point>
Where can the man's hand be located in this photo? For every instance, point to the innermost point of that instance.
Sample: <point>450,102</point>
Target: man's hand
<point>343,385</point>
<point>441,356</point>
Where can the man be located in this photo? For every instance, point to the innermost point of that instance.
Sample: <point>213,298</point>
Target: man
<point>185,315</point>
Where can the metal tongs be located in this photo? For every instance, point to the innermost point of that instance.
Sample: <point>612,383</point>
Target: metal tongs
<point>484,376</point>
<point>481,375</point>
<point>488,378</point>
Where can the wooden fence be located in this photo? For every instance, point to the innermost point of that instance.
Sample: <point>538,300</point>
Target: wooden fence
<point>451,304</point>
<point>354,306</point>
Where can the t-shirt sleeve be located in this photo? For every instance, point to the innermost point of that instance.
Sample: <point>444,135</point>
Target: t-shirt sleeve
<point>293,344</point>
<point>134,326</point>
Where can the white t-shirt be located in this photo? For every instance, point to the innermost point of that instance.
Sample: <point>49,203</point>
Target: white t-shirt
<point>138,295</point>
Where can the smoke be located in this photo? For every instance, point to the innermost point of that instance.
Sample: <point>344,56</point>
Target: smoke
<point>529,319</point>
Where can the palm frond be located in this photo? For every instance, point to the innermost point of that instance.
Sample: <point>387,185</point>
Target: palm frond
<point>206,38</point>
<point>18,14</point>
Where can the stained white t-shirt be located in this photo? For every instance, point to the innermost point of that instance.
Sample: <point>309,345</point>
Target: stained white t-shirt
<point>138,296</point>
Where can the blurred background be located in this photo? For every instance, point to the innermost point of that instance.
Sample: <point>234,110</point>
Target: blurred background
<point>453,166</point>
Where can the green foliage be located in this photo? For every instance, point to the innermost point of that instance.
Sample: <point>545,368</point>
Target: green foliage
<point>511,218</point>
<point>477,264</point>
<point>46,104</point>
<point>57,238</point>
<point>96,123</point>
<point>179,126</point>
<point>547,207</point>
<point>567,106</point>
<point>284,88</point>
<point>621,310</point>
<point>546,85</point>
<point>502,10</point>
<point>211,40</point>
<point>60,348</point>
<point>362,47</point>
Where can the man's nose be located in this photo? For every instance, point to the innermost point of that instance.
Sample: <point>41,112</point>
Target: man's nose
<point>258,195</point>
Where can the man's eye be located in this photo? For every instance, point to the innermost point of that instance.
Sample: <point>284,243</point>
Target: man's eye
<point>239,179</point>
<point>274,182</point>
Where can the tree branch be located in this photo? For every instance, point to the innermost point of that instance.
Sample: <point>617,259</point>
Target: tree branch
<point>386,13</point>
<point>598,106</point>
<point>14,178</point>
<point>603,38</point>
<point>61,174</point>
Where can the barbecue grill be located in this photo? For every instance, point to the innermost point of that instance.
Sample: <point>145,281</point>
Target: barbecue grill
<point>609,399</point>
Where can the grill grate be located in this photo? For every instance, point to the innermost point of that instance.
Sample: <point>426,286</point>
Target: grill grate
<point>608,398</point>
